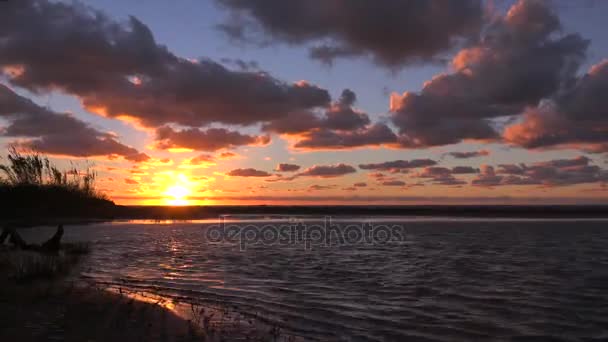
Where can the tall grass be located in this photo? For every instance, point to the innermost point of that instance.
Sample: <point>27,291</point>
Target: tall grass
<point>32,186</point>
<point>36,170</point>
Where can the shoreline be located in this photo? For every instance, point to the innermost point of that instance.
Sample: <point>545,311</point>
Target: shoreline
<point>54,310</point>
<point>44,297</point>
<point>62,310</point>
<point>185,213</point>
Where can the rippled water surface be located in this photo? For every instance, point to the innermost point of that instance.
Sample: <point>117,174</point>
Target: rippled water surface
<point>448,280</point>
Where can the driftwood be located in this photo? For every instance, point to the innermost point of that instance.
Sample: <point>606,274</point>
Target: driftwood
<point>52,245</point>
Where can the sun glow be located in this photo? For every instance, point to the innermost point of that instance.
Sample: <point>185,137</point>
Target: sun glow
<point>178,193</point>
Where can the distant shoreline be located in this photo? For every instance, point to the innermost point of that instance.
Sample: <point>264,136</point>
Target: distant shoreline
<point>200,212</point>
<point>119,212</point>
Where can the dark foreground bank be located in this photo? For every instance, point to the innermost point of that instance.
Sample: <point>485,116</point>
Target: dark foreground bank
<point>55,312</point>
<point>40,302</point>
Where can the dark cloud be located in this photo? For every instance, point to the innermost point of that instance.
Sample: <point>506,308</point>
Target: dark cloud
<point>57,133</point>
<point>321,171</point>
<point>449,181</point>
<point>467,155</point>
<point>574,118</point>
<point>249,172</point>
<point>287,167</point>
<point>520,59</point>
<point>118,69</point>
<point>374,135</point>
<point>293,123</point>
<point>212,139</point>
<point>443,175</point>
<point>391,32</point>
<point>376,175</point>
<point>511,169</point>
<point>227,155</point>
<point>202,159</point>
<point>393,183</point>
<point>489,178</point>
<point>131,181</point>
<point>340,127</point>
<point>434,171</point>
<point>360,185</point>
<point>342,116</point>
<point>327,171</point>
<point>316,187</point>
<point>134,77</point>
<point>462,170</point>
<point>398,164</point>
<point>560,172</point>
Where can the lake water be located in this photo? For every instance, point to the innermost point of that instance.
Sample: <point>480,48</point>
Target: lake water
<point>442,280</point>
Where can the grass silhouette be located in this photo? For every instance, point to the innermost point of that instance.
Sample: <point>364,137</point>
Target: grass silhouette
<point>31,186</point>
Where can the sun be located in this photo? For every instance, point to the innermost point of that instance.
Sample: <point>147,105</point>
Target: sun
<point>177,191</point>
<point>177,194</point>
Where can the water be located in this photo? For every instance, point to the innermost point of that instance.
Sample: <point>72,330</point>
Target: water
<point>448,280</point>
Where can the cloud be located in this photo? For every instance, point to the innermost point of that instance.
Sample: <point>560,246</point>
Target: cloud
<point>227,155</point>
<point>392,33</point>
<point>342,116</point>
<point>202,159</point>
<point>241,64</point>
<point>340,127</point>
<point>118,69</point>
<point>487,177</point>
<point>374,135</point>
<point>212,139</point>
<point>574,118</point>
<point>316,187</point>
<point>327,171</point>
<point>131,181</point>
<point>293,123</point>
<point>55,133</point>
<point>467,155</point>
<point>376,175</point>
<point>430,172</point>
<point>132,77</point>
<point>360,185</point>
<point>249,172</point>
<point>443,175</point>
<point>520,59</point>
<point>559,172</point>
<point>287,167</point>
<point>398,165</point>
<point>463,170</point>
<point>393,183</point>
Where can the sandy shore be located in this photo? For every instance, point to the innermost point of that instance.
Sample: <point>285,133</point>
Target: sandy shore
<point>56,312</point>
<point>40,300</point>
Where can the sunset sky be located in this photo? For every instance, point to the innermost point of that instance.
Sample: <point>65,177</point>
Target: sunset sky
<point>313,101</point>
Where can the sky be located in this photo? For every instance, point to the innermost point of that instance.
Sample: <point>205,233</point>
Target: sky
<point>313,101</point>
